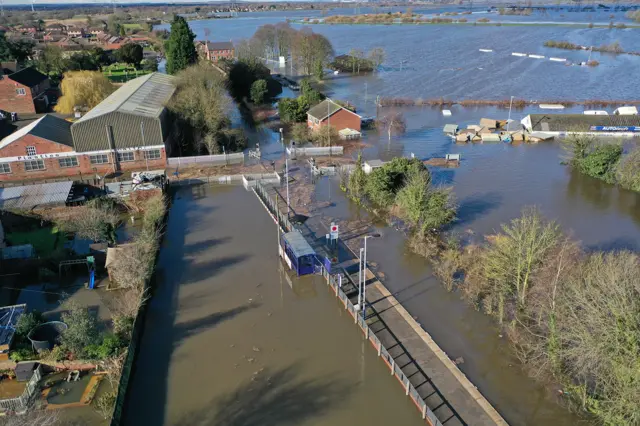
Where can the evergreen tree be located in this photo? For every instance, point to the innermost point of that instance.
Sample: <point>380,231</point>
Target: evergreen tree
<point>181,52</point>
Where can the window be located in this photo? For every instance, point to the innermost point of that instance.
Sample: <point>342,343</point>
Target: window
<point>33,165</point>
<point>126,156</point>
<point>21,92</point>
<point>68,162</point>
<point>152,155</point>
<point>5,168</point>
<point>31,150</point>
<point>99,159</point>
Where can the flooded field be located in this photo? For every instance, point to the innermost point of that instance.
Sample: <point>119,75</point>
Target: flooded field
<point>231,340</point>
<point>494,181</point>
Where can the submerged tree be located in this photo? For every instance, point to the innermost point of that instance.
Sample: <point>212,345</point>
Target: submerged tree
<point>393,123</point>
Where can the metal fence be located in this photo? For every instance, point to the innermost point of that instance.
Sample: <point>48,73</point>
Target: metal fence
<point>395,370</point>
<point>272,207</point>
<point>315,151</point>
<point>22,403</point>
<point>235,158</point>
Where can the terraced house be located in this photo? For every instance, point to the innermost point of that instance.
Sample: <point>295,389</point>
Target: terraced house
<point>129,130</point>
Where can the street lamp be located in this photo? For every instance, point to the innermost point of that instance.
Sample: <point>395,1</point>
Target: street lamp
<point>364,273</point>
<point>359,280</point>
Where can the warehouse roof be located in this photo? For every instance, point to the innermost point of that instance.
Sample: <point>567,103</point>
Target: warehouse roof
<point>28,196</point>
<point>579,122</point>
<point>145,96</point>
<point>48,127</point>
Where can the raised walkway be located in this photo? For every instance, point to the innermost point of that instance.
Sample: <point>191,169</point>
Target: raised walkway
<point>445,390</point>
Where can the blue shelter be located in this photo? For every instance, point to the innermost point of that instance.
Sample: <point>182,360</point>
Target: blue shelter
<point>297,252</point>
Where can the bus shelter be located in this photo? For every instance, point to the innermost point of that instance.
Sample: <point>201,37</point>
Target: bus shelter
<point>297,253</point>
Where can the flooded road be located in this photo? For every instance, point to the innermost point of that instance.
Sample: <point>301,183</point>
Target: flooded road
<point>229,340</point>
<point>458,329</point>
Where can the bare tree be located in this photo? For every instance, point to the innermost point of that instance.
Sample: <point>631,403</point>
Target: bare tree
<point>392,123</point>
<point>376,55</point>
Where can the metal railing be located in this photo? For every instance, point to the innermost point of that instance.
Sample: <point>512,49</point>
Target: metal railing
<point>272,207</point>
<point>428,415</point>
<point>22,403</point>
<point>395,370</point>
<point>235,158</point>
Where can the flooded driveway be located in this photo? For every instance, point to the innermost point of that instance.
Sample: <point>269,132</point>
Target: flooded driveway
<point>230,339</point>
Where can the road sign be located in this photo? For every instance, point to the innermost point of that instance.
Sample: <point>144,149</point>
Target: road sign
<point>334,231</point>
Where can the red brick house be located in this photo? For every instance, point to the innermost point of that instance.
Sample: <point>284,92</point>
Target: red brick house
<point>44,149</point>
<point>214,51</point>
<point>24,91</point>
<point>329,112</point>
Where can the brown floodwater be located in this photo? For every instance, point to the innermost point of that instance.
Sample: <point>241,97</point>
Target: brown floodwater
<point>231,339</point>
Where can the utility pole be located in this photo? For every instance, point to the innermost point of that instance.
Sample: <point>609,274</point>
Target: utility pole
<point>286,174</point>
<point>113,3</point>
<point>144,144</point>
<point>2,7</point>
<point>509,119</point>
<point>33,9</point>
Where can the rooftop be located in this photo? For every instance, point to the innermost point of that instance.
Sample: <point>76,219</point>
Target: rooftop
<point>145,96</point>
<point>219,45</point>
<point>28,77</point>
<point>47,127</point>
<point>298,244</point>
<point>324,109</point>
<point>579,122</point>
<point>28,196</point>
<point>9,316</point>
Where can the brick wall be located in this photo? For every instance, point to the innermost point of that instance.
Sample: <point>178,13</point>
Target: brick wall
<point>342,119</point>
<point>52,165</point>
<point>12,102</point>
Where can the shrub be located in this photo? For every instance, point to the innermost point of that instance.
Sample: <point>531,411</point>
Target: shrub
<point>27,322</point>
<point>259,91</point>
<point>383,183</point>
<point>22,354</point>
<point>106,403</point>
<point>601,162</point>
<point>82,329</point>
<point>111,345</point>
<point>628,170</point>
<point>300,133</point>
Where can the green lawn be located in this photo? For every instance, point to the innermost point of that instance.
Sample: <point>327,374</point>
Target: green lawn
<point>43,240</point>
<point>132,26</point>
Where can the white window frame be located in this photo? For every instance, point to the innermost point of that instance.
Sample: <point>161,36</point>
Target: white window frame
<point>4,167</point>
<point>28,165</point>
<point>122,159</point>
<point>63,162</point>
<point>31,151</point>
<point>93,159</point>
<point>151,154</point>
<point>20,91</point>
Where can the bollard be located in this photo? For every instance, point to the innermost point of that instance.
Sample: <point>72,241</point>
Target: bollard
<point>379,348</point>
<point>393,365</point>
<point>407,387</point>
<point>424,411</point>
